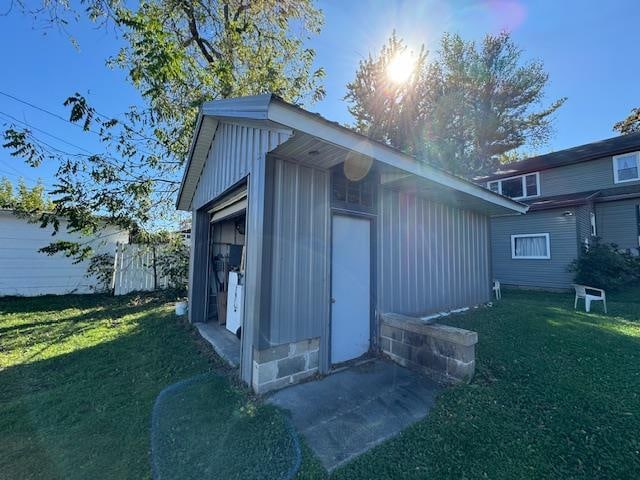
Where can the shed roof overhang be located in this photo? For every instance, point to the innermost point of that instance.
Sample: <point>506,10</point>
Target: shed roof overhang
<point>272,112</point>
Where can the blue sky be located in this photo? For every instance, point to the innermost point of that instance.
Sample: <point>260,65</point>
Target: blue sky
<point>588,48</point>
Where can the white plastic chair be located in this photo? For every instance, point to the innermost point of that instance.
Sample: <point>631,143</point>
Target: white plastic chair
<point>581,292</point>
<point>496,289</point>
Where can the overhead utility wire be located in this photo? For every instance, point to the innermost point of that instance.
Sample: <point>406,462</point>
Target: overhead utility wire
<point>28,125</point>
<point>60,117</point>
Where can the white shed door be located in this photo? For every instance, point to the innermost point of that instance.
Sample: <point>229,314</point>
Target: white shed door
<point>350,287</point>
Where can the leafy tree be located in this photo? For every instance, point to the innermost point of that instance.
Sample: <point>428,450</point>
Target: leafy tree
<point>392,112</point>
<point>26,200</point>
<point>178,54</point>
<point>6,193</point>
<point>631,124</point>
<point>473,103</point>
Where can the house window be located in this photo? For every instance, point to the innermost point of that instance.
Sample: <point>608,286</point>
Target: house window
<point>594,231</point>
<point>512,187</point>
<point>626,168</point>
<point>534,246</point>
<point>522,186</point>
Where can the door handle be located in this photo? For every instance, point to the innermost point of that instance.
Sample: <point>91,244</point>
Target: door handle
<point>333,300</point>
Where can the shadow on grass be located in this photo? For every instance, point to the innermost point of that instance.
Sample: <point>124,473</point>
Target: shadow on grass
<point>86,412</point>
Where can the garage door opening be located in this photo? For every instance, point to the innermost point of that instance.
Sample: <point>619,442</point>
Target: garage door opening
<point>225,275</point>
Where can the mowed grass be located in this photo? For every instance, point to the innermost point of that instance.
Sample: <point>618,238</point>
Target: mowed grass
<point>78,379</point>
<point>556,395</point>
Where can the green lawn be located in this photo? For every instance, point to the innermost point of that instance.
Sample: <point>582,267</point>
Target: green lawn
<point>556,395</point>
<point>78,380</point>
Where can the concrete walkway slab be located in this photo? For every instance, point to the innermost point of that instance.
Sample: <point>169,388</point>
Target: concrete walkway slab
<point>347,413</point>
<point>225,343</point>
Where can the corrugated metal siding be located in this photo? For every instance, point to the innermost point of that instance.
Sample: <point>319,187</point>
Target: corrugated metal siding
<point>431,257</point>
<point>238,152</point>
<point>235,151</point>
<point>298,226</point>
<point>616,223</point>
<point>579,177</point>
<point>550,273</point>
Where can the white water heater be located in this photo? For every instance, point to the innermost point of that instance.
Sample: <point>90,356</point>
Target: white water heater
<point>235,301</point>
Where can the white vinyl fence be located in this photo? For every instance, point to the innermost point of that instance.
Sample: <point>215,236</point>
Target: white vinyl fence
<point>135,269</point>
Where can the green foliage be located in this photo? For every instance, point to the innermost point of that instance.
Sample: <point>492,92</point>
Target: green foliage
<point>173,262</point>
<point>603,265</point>
<point>178,54</point>
<point>391,112</point>
<point>7,198</point>
<point>20,143</point>
<point>631,124</point>
<point>182,53</point>
<point>101,267</point>
<point>26,200</point>
<point>462,110</point>
<point>77,250</point>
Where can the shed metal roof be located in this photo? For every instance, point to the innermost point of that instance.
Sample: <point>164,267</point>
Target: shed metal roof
<point>272,111</point>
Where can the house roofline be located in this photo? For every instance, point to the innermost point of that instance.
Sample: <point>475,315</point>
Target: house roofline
<point>592,151</point>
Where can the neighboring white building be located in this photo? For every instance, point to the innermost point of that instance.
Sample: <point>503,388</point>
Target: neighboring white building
<point>25,271</point>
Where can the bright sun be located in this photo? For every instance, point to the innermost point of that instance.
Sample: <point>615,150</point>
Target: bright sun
<point>401,67</point>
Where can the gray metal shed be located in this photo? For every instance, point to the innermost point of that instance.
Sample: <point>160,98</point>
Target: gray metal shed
<point>338,229</point>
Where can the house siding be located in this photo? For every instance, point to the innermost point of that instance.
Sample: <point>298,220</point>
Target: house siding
<point>297,216</point>
<point>579,177</point>
<point>431,257</point>
<point>583,224</point>
<point>563,244</point>
<point>26,272</point>
<point>616,222</point>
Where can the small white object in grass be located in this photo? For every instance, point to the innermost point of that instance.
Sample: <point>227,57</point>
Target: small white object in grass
<point>181,308</point>
<point>444,314</point>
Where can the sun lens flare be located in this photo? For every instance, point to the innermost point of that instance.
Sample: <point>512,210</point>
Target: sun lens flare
<point>401,67</point>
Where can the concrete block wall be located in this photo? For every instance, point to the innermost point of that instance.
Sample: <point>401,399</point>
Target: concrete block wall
<point>445,353</point>
<point>285,364</point>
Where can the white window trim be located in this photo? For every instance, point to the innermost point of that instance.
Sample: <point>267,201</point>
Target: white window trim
<point>528,235</point>
<point>524,184</point>
<point>614,164</point>
<point>593,224</point>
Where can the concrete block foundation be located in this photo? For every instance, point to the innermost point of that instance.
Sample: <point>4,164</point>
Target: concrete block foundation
<point>445,353</point>
<point>282,365</point>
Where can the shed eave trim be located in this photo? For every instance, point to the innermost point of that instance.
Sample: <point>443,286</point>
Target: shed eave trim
<point>196,159</point>
<point>284,114</point>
